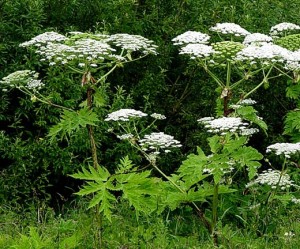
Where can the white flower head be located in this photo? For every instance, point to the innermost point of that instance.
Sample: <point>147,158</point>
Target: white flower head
<point>249,131</point>
<point>295,200</point>
<point>44,38</point>
<point>191,37</point>
<point>230,28</point>
<point>286,149</point>
<point>267,53</point>
<point>124,115</point>
<point>23,78</point>
<point>158,116</point>
<point>257,39</point>
<point>88,49</point>
<point>224,124</point>
<point>133,43</point>
<point>197,50</point>
<point>292,61</point>
<point>159,140</point>
<point>125,136</point>
<point>247,102</point>
<point>272,178</point>
<point>283,27</point>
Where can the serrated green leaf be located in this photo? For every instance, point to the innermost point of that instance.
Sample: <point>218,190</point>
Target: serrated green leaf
<point>214,144</point>
<point>72,121</point>
<point>249,113</point>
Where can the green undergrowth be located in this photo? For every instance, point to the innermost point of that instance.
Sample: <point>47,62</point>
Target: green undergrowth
<point>73,228</point>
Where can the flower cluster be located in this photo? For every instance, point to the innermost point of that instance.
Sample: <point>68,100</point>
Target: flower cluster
<point>230,28</point>
<point>286,149</point>
<point>266,53</point>
<point>159,140</point>
<point>295,200</point>
<point>257,39</point>
<point>88,50</point>
<point>124,115</point>
<point>191,37</point>
<point>282,28</point>
<point>44,39</point>
<point>23,78</point>
<point>272,178</point>
<point>224,124</point>
<point>125,136</point>
<point>226,50</point>
<point>158,116</point>
<point>247,102</point>
<point>197,50</point>
<point>293,61</point>
<point>133,43</point>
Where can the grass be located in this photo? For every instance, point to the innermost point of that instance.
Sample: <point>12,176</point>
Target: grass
<point>178,229</point>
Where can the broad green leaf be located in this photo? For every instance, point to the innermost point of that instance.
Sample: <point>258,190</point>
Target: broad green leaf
<point>214,144</point>
<point>249,113</point>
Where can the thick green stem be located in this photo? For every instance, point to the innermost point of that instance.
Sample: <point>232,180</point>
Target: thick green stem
<point>215,206</point>
<point>215,203</point>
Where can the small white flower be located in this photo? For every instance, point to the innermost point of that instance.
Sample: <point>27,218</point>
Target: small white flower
<point>230,28</point>
<point>248,131</point>
<point>286,149</point>
<point>125,136</point>
<point>224,124</point>
<point>158,116</point>
<point>283,27</point>
<point>289,234</point>
<point>43,39</point>
<point>272,178</point>
<point>191,37</point>
<point>124,115</point>
<point>159,140</point>
<point>295,200</point>
<point>266,54</point>
<point>197,50</point>
<point>247,102</point>
<point>23,78</point>
<point>133,43</point>
<point>257,39</point>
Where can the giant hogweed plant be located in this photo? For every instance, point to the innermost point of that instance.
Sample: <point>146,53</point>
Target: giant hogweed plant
<point>240,56</point>
<point>93,57</point>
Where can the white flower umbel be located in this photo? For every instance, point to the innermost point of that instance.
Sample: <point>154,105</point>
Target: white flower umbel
<point>124,115</point>
<point>133,43</point>
<point>223,125</point>
<point>159,140</point>
<point>295,200</point>
<point>197,50</point>
<point>191,37</point>
<point>23,78</point>
<point>271,178</point>
<point>266,53</point>
<point>82,52</point>
<point>230,28</point>
<point>89,50</point>
<point>158,116</point>
<point>247,102</point>
<point>125,136</point>
<point>282,28</point>
<point>286,149</point>
<point>248,131</point>
<point>257,39</point>
<point>292,61</point>
<point>43,39</point>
